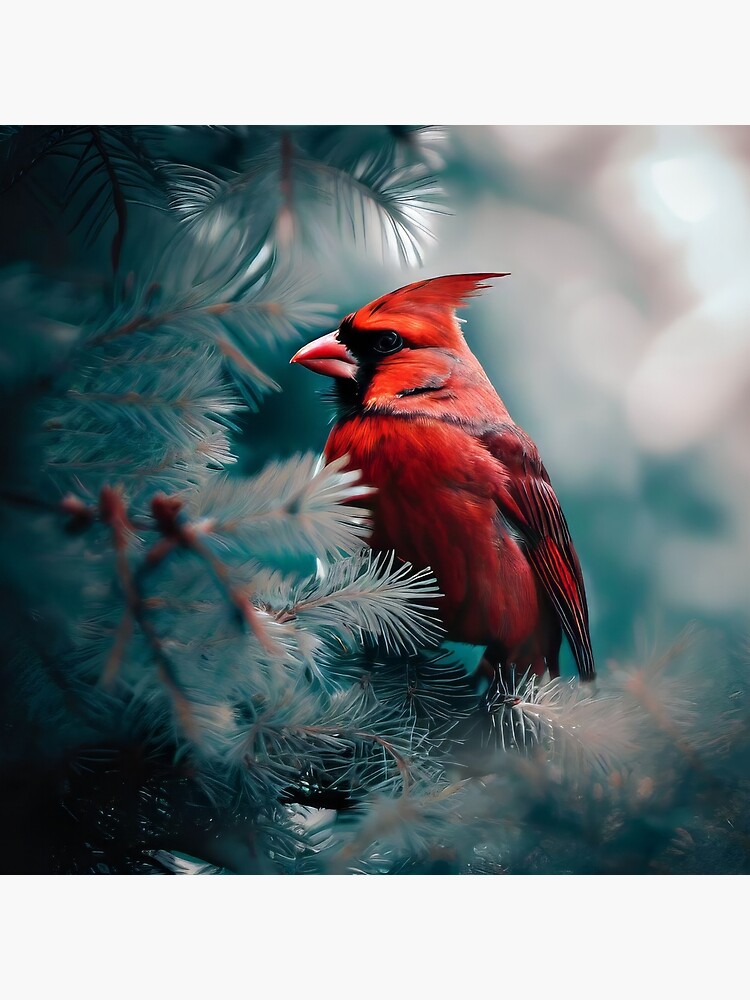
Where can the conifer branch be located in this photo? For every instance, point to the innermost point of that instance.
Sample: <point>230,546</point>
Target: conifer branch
<point>282,189</point>
<point>175,668</point>
<point>288,504</point>
<point>114,514</point>
<point>118,197</point>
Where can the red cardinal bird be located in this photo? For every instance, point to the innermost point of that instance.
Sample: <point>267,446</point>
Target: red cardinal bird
<point>460,487</point>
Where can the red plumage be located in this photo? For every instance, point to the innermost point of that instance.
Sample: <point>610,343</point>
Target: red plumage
<point>460,487</point>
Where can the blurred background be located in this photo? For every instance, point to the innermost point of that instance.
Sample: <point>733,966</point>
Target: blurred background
<point>620,342</point>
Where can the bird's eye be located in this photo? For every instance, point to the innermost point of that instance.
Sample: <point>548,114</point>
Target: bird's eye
<point>388,342</point>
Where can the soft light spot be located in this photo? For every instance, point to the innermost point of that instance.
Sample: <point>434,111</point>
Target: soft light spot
<point>685,186</point>
<point>645,788</point>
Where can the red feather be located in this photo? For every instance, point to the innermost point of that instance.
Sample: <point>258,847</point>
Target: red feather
<point>537,513</point>
<point>444,294</point>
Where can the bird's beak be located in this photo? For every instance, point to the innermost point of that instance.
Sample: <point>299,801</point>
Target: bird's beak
<point>327,356</point>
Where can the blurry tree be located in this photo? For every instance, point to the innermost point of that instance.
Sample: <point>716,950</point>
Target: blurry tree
<point>207,670</point>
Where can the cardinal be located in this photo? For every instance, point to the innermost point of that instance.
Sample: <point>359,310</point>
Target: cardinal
<point>459,486</point>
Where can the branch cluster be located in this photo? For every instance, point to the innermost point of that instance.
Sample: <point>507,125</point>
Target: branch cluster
<point>209,670</point>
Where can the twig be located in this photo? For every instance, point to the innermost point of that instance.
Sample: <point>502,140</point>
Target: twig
<point>118,198</point>
<point>113,513</point>
<point>399,759</point>
<point>146,322</point>
<point>170,519</point>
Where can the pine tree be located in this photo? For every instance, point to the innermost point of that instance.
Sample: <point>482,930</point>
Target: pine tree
<point>208,670</point>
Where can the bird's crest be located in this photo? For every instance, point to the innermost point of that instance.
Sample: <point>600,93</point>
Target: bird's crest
<point>433,299</point>
<point>444,293</point>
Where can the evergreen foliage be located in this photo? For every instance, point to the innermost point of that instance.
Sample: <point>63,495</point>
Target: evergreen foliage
<point>209,671</point>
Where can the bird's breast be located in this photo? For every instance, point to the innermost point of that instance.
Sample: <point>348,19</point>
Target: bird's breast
<point>436,506</point>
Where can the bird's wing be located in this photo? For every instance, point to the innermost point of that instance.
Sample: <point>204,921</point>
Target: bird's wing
<point>528,501</point>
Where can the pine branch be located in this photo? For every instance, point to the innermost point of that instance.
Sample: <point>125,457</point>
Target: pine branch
<point>579,731</point>
<point>291,505</point>
<point>370,594</point>
<point>234,310</point>
<point>114,514</point>
<point>111,169</point>
<point>675,690</point>
<point>395,145</point>
<point>304,723</point>
<point>118,197</point>
<point>281,190</point>
<point>439,823</point>
<point>26,146</point>
<point>335,742</point>
<point>373,198</point>
<point>428,689</point>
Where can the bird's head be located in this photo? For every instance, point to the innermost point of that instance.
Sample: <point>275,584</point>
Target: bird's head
<point>404,344</point>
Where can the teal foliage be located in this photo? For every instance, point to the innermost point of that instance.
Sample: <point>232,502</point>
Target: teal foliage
<point>206,670</point>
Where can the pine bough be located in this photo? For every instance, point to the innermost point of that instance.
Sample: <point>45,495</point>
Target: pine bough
<point>209,708</point>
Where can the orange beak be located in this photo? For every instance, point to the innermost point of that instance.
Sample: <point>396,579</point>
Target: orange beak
<point>327,356</point>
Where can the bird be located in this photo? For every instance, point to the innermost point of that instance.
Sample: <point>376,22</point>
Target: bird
<point>457,485</point>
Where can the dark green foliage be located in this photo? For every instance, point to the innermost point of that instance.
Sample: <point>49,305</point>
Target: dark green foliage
<point>182,689</point>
